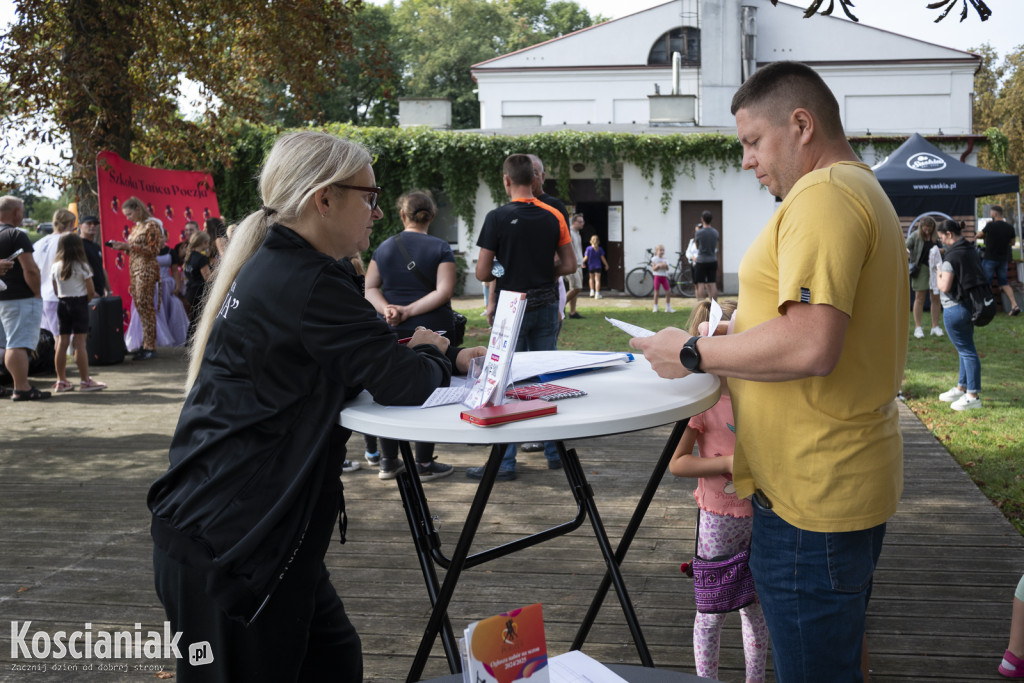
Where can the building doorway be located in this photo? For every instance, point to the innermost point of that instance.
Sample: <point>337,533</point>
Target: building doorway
<point>603,218</point>
<point>689,217</point>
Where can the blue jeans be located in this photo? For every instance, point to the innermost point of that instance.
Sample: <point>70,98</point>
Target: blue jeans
<point>814,589</point>
<point>538,332</point>
<point>960,330</point>
<point>995,269</point>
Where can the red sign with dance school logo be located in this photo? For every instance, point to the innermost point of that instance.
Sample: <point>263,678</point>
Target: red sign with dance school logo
<point>175,197</point>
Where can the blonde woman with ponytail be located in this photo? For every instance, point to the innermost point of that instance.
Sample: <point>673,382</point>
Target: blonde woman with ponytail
<point>244,515</point>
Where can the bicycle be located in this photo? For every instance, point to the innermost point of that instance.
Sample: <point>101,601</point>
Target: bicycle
<point>640,280</point>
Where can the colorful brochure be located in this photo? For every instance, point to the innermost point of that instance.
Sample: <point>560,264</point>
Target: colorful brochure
<point>489,388</point>
<point>507,647</point>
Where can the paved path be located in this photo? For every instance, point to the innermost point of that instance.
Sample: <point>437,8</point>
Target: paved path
<point>75,546</point>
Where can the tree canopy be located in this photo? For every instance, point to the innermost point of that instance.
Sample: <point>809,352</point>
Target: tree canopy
<point>999,109</point>
<point>106,74</point>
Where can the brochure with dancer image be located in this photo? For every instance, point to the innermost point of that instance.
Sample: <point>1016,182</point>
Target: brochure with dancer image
<point>506,647</point>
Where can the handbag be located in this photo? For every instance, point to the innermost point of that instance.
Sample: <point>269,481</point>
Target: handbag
<point>916,267</point>
<point>721,584</point>
<point>456,332</point>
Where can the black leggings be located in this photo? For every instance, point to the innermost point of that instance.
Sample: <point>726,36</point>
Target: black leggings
<point>302,633</point>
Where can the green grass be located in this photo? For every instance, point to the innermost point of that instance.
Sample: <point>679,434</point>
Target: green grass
<point>988,443</point>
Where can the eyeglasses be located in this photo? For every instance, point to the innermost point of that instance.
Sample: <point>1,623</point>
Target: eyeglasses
<point>375,190</point>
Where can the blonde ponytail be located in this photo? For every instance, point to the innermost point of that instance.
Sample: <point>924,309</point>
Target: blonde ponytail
<point>297,166</point>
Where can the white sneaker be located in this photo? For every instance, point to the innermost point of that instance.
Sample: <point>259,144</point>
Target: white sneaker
<point>654,310</point>
<point>918,333</point>
<point>936,331</point>
<point>668,309</point>
<point>951,395</point>
<point>965,402</point>
<point>597,295</point>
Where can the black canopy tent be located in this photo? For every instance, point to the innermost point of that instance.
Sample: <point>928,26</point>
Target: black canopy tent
<point>919,177</point>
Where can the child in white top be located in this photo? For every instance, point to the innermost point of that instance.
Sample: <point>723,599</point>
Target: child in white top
<point>72,281</point>
<point>659,265</point>
<point>725,520</point>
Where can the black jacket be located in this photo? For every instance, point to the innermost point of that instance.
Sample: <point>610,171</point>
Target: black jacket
<point>963,256</point>
<point>257,443</point>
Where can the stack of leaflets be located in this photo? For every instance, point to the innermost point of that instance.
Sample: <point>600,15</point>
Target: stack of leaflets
<point>507,647</point>
<point>489,388</point>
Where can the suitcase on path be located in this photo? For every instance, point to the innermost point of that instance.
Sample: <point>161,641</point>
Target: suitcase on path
<point>106,331</point>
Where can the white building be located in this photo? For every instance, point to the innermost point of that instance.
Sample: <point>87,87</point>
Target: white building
<point>607,77</point>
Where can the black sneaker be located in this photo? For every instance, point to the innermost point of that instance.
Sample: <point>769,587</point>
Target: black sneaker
<point>390,468</point>
<point>433,470</point>
<point>349,466</point>
<point>575,316</point>
<point>555,464</point>
<point>373,459</point>
<point>144,354</point>
<point>532,447</point>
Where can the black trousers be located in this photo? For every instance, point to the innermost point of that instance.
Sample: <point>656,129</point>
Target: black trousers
<point>302,634</point>
<point>424,451</point>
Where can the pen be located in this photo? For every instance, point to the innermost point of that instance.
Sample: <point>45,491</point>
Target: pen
<point>406,339</point>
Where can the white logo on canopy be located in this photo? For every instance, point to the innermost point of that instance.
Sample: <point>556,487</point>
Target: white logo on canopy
<point>926,161</point>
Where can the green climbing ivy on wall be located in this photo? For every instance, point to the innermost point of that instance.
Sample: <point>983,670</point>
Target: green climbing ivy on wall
<point>457,162</point>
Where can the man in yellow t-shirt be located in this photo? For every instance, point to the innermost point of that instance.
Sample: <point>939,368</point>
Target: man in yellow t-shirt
<point>817,360</point>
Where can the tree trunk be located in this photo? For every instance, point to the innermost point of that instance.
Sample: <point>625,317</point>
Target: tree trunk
<point>98,104</point>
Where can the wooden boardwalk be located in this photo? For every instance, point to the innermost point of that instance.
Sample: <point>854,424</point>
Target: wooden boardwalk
<point>75,546</point>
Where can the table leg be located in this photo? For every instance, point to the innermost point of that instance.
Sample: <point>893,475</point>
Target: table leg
<point>458,562</point>
<point>425,538</point>
<point>579,481</point>
<point>627,538</point>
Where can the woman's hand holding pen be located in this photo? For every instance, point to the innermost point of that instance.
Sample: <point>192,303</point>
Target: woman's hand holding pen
<point>424,336</point>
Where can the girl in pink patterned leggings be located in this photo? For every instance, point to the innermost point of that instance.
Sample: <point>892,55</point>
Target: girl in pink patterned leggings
<point>725,520</point>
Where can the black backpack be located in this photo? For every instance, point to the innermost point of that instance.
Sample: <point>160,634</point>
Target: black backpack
<point>971,288</point>
<point>980,301</point>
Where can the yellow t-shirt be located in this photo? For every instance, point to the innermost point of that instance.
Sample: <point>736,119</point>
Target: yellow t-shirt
<point>827,451</point>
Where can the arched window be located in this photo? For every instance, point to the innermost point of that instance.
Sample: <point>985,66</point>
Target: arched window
<point>685,40</point>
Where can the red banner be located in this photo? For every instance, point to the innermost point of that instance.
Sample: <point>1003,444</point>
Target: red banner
<point>175,197</point>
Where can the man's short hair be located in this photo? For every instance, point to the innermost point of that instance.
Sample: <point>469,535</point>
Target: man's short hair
<point>777,89</point>
<point>997,208</point>
<point>11,203</point>
<point>519,169</point>
<point>195,223</point>
<point>706,217</point>
<point>577,215</point>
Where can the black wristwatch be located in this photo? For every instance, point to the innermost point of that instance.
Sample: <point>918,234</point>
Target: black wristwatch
<point>689,356</point>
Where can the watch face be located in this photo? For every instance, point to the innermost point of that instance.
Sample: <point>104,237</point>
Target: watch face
<point>689,356</point>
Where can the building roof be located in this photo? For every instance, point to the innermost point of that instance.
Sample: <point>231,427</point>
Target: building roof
<point>820,40</point>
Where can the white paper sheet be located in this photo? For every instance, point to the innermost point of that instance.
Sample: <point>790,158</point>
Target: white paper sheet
<point>576,667</point>
<point>632,330</point>
<point>714,317</point>
<point>444,396</point>
<point>535,363</point>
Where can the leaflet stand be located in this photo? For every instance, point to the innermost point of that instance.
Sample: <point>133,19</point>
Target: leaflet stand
<point>489,388</point>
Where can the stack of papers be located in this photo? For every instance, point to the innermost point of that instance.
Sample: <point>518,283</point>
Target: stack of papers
<point>537,363</point>
<point>534,364</point>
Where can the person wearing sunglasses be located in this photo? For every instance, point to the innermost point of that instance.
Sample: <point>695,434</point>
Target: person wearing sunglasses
<point>243,516</point>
